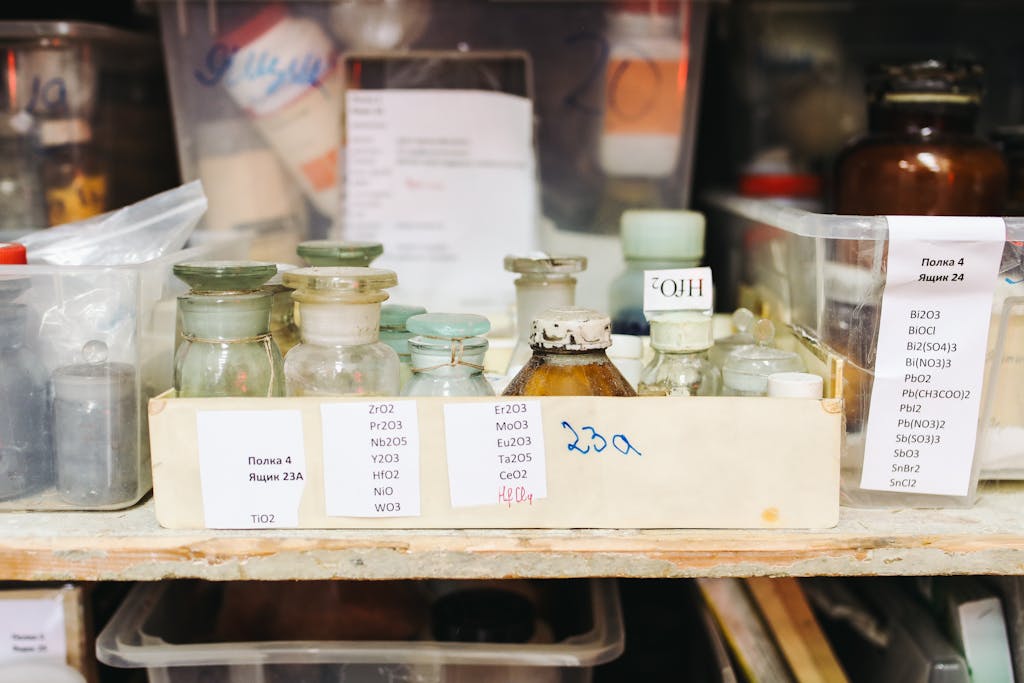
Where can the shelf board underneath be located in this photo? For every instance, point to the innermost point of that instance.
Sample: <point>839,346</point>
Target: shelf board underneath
<point>129,545</point>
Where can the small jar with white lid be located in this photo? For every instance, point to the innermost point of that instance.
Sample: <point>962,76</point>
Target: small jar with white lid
<point>795,385</point>
<point>341,353</point>
<point>681,367</point>
<point>747,369</point>
<point>448,355</point>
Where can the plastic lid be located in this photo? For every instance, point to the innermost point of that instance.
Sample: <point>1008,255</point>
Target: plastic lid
<point>224,276</point>
<point>544,263</point>
<point>663,234</point>
<point>354,284</point>
<point>12,253</point>
<point>394,316</point>
<point>931,80</point>
<point>626,346</point>
<point>682,331</point>
<point>449,325</point>
<point>571,329</point>
<point>39,672</point>
<point>255,26</point>
<point>483,615</point>
<point>795,385</point>
<point>56,132</point>
<point>335,253</point>
<point>797,185</point>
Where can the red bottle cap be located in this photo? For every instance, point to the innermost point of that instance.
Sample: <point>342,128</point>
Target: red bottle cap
<point>792,185</point>
<point>256,26</point>
<point>12,253</point>
<point>662,7</point>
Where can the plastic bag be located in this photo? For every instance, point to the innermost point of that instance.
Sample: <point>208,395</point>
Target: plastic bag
<point>136,233</point>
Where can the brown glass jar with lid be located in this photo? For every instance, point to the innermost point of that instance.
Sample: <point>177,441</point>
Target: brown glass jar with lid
<point>921,155</point>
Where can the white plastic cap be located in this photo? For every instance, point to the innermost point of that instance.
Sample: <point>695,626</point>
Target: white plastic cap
<point>626,346</point>
<point>663,234</point>
<point>795,385</point>
<point>571,329</point>
<point>682,331</point>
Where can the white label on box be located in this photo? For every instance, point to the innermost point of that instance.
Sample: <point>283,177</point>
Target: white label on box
<point>33,629</point>
<point>447,180</point>
<point>495,453</point>
<point>679,289</point>
<point>932,337</point>
<point>252,466</point>
<point>371,459</point>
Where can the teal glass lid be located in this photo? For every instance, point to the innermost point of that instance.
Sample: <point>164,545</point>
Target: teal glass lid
<point>449,325</point>
<point>224,276</point>
<point>393,317</point>
<point>339,253</point>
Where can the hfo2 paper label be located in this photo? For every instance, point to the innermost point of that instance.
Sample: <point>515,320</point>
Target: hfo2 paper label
<point>679,289</point>
<point>252,465</point>
<point>495,453</point>
<point>933,333</point>
<point>371,459</point>
<point>33,630</point>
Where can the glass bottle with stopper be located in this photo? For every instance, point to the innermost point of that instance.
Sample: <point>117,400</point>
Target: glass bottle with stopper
<point>544,282</point>
<point>96,430</point>
<point>394,333</point>
<point>448,355</point>
<point>743,321</point>
<point>747,369</point>
<point>336,254</point>
<point>227,348</point>
<point>569,357</point>
<point>681,367</point>
<point>341,353</point>
<point>283,327</point>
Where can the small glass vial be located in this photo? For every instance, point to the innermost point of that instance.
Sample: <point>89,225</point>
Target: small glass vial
<point>341,353</point>
<point>227,348</point>
<point>652,240</point>
<point>96,430</point>
<point>746,370</point>
<point>544,282</point>
<point>395,334</point>
<point>448,355</point>
<point>743,321</point>
<point>337,254</point>
<point>681,367</point>
<point>569,357</point>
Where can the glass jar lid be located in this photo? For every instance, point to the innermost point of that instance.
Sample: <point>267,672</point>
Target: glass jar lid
<point>449,325</point>
<point>541,263</point>
<point>570,328</point>
<point>337,253</point>
<point>95,378</point>
<point>224,276</point>
<point>930,80</point>
<point>393,317</point>
<point>340,284</point>
<point>682,331</point>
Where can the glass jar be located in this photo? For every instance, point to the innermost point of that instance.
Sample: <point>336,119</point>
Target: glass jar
<point>283,327</point>
<point>743,320</point>
<point>544,282</point>
<point>569,357</point>
<point>26,459</point>
<point>395,334</point>
<point>652,240</point>
<point>74,181</point>
<point>227,348</point>
<point>337,254</point>
<point>681,367</point>
<point>448,355</point>
<point>341,353</point>
<point>920,155</point>
<point>747,369</point>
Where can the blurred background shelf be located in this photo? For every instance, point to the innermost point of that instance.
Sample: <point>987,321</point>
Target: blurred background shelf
<point>129,545</point>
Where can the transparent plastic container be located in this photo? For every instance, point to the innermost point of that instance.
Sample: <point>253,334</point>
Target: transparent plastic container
<point>101,342</point>
<point>601,104</point>
<point>838,305</point>
<point>175,630</point>
<point>85,126</point>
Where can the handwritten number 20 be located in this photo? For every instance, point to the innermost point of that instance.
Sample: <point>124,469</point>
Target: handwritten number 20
<point>597,441</point>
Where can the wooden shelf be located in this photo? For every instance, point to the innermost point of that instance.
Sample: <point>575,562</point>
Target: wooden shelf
<point>129,545</point>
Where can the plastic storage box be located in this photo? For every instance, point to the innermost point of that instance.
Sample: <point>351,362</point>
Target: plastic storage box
<point>788,266</point>
<point>85,126</point>
<point>82,348</point>
<point>259,92</point>
<point>181,633</point>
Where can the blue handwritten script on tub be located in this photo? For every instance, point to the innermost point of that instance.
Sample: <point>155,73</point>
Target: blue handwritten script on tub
<point>222,66</point>
<point>593,441</point>
<point>48,97</point>
<point>1013,282</point>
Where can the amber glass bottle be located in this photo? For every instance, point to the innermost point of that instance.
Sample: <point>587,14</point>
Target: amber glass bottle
<point>569,357</point>
<point>921,155</point>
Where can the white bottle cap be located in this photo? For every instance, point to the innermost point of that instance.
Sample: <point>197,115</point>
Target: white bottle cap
<point>626,346</point>
<point>571,329</point>
<point>795,385</point>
